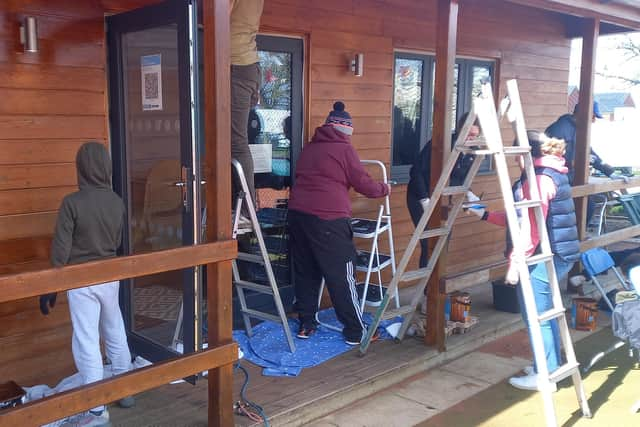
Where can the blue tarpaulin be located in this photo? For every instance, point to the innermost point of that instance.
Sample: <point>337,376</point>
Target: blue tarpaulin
<point>268,346</point>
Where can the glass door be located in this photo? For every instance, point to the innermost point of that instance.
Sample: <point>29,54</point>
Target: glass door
<point>275,138</point>
<point>153,132</point>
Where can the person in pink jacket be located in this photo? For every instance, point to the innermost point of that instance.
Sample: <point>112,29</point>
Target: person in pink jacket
<point>320,224</point>
<point>559,212</point>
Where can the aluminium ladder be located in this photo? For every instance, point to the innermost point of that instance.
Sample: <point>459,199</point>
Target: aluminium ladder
<point>373,261</point>
<point>244,198</point>
<point>483,107</point>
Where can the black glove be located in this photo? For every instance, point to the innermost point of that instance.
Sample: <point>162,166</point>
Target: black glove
<point>47,301</point>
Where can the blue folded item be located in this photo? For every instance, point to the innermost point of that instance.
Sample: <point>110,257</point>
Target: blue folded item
<point>268,346</point>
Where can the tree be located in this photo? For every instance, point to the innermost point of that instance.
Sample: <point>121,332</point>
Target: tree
<point>625,66</point>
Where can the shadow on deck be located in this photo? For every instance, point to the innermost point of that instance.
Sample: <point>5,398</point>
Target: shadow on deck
<point>326,388</point>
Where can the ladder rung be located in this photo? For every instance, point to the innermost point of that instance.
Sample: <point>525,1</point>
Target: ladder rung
<point>527,204</point>
<point>537,259</point>
<point>452,191</point>
<point>434,232</point>
<point>415,274</point>
<point>552,314</point>
<point>263,289</point>
<point>261,315</point>
<point>473,150</point>
<point>516,150</point>
<point>256,259</point>
<point>564,371</point>
<point>401,311</point>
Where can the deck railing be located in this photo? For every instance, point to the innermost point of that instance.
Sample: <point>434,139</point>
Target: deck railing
<point>30,284</point>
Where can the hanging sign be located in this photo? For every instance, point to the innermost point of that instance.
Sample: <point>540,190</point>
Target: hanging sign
<point>151,67</point>
<point>262,157</point>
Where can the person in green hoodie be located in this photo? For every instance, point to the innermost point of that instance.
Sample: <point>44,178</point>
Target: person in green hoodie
<point>89,228</point>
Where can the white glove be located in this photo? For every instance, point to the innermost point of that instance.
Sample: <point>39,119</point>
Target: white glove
<point>618,176</point>
<point>472,197</point>
<point>512,274</point>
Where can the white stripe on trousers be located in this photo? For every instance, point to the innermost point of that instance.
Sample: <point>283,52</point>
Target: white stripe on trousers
<point>354,294</point>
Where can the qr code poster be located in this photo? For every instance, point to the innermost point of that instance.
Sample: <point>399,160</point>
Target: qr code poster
<point>151,66</point>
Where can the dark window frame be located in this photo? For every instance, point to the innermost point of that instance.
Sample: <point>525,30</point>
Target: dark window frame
<point>400,173</point>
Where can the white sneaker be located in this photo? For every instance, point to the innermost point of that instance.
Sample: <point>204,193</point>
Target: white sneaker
<point>89,419</point>
<point>529,370</point>
<point>529,382</point>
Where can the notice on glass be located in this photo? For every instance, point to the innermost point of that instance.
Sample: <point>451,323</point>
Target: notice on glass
<point>262,155</point>
<point>151,66</point>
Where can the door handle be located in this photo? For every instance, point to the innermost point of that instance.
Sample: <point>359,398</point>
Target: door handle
<point>180,184</point>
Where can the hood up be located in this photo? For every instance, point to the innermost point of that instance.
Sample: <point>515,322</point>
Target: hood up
<point>553,162</point>
<point>94,166</point>
<point>328,134</point>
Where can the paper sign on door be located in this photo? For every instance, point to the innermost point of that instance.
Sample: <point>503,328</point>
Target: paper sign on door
<point>151,67</point>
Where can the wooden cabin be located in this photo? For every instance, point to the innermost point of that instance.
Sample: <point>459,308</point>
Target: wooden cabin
<point>424,60</point>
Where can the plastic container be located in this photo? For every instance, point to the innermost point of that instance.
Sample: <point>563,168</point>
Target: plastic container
<point>505,297</point>
<point>584,314</point>
<point>460,307</point>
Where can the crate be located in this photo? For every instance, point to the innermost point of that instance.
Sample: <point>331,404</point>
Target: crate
<point>11,395</point>
<point>456,328</point>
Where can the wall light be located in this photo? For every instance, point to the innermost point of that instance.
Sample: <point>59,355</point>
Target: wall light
<point>357,65</point>
<point>29,34</point>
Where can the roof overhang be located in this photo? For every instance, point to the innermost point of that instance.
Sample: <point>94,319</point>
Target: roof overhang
<point>616,16</point>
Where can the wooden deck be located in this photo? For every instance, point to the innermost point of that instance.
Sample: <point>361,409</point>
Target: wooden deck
<point>322,389</point>
<point>332,385</point>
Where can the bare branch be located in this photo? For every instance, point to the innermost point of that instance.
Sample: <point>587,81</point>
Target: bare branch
<point>629,80</point>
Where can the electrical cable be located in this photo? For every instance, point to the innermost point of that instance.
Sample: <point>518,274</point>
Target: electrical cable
<point>257,408</point>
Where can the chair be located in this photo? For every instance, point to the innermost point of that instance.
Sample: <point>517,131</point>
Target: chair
<point>161,225</point>
<point>630,204</point>
<point>597,261</point>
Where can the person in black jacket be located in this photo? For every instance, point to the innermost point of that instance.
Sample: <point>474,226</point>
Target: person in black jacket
<point>419,186</point>
<point>565,128</point>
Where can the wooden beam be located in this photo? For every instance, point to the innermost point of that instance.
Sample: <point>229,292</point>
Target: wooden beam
<point>609,238</point>
<point>584,117</point>
<point>620,13</point>
<point>61,405</point>
<point>217,118</point>
<point>446,35</point>
<point>603,185</point>
<point>34,283</point>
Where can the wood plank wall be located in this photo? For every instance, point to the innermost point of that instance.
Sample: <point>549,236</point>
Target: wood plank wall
<point>52,101</point>
<point>526,43</point>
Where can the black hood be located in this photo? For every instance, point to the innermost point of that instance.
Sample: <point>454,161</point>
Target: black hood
<point>94,166</point>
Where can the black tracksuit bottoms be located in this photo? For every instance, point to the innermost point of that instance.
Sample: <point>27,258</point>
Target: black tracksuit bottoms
<point>324,248</point>
<point>416,211</point>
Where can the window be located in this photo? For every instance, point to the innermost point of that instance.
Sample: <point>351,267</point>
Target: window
<point>413,104</point>
<point>411,114</point>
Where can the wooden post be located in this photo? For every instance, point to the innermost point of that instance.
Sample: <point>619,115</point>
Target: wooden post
<point>446,34</point>
<point>217,122</point>
<point>591,30</point>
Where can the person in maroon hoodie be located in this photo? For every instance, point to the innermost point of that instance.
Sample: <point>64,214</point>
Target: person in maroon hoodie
<point>320,224</point>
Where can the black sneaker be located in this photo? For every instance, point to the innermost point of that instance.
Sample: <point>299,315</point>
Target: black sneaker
<point>375,337</point>
<point>306,331</point>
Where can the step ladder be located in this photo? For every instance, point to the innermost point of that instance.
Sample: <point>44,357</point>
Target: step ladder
<point>484,109</point>
<point>244,200</point>
<point>372,261</point>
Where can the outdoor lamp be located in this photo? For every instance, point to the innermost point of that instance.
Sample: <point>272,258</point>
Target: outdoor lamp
<point>357,65</point>
<point>29,34</point>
